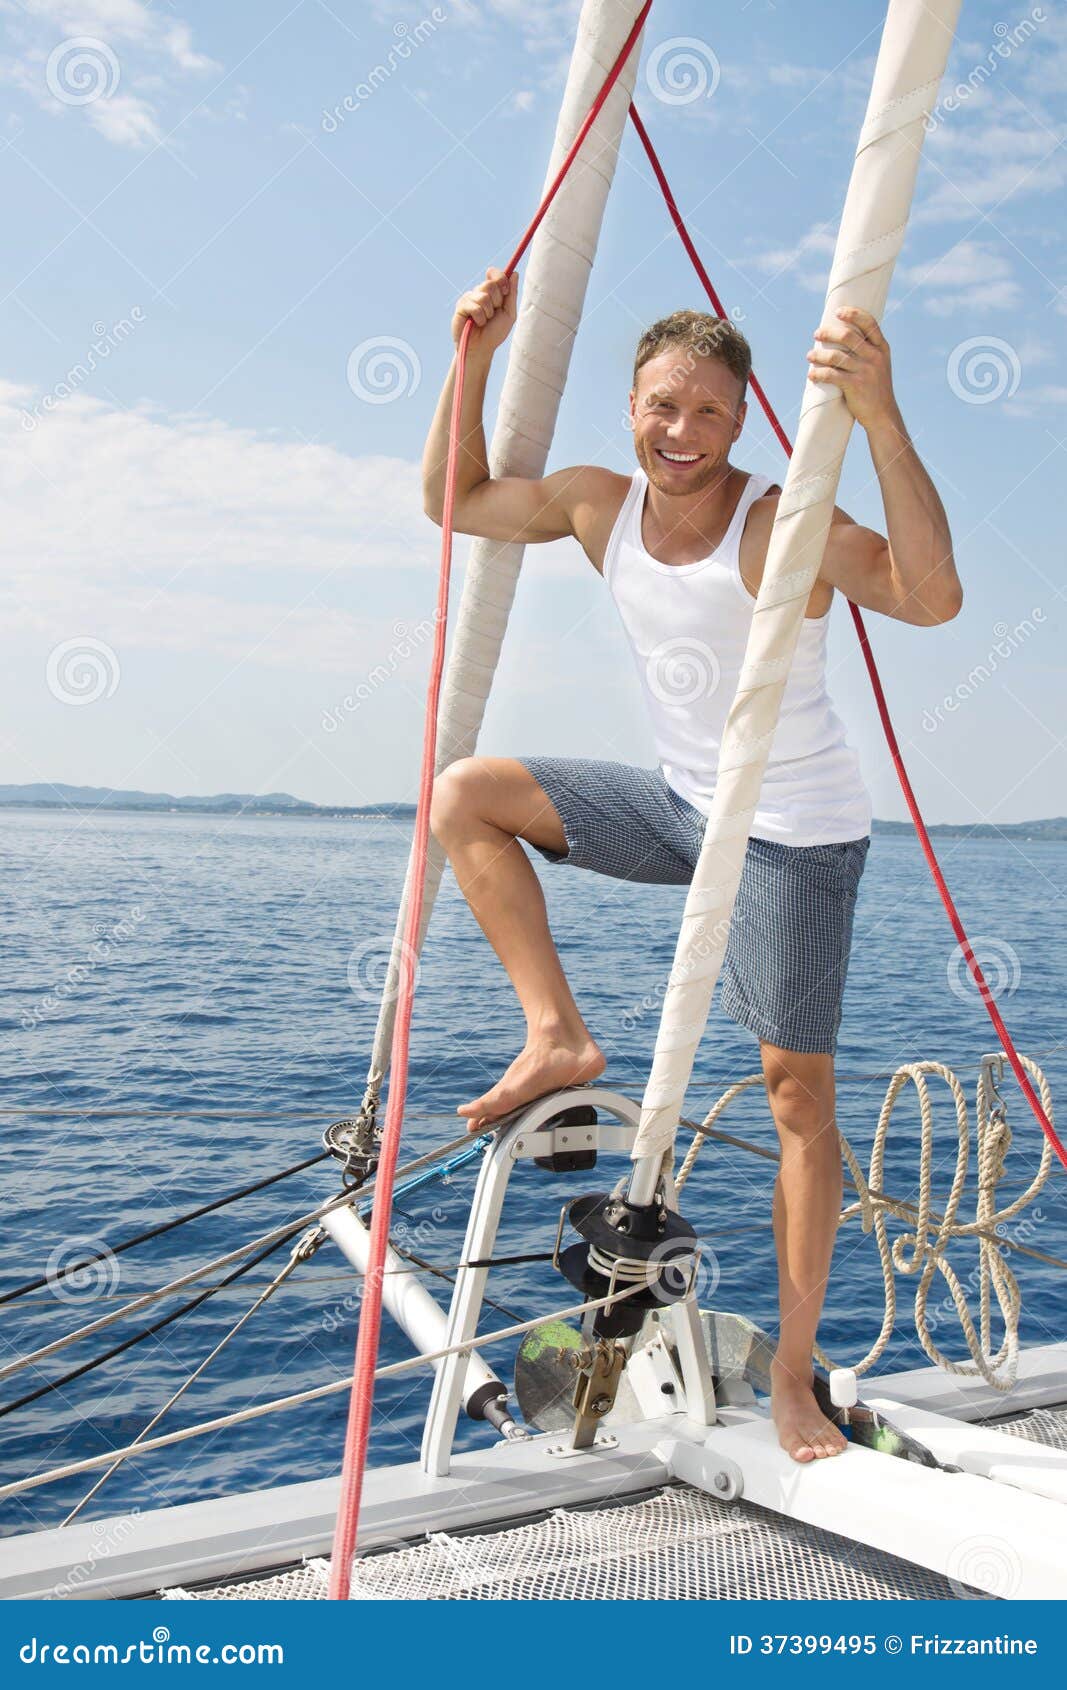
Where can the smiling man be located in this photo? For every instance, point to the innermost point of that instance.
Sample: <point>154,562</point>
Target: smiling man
<point>681,545</point>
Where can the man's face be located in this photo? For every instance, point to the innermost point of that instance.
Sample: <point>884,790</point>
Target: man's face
<point>686,412</point>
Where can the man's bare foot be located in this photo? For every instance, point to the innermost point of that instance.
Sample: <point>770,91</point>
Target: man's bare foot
<point>546,1064</point>
<point>803,1429</point>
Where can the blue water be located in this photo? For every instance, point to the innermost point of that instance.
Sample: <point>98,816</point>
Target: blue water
<point>187,1002</point>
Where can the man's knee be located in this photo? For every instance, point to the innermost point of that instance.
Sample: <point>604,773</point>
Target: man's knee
<point>454,798</point>
<point>800,1089</point>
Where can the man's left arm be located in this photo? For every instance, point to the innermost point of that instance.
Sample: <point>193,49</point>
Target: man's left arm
<point>911,575</point>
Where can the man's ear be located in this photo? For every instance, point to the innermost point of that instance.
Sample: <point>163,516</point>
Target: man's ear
<point>741,415</point>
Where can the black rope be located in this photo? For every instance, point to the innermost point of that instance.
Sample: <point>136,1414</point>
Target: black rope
<point>110,1250</point>
<point>510,1261</point>
<point>146,1331</point>
<point>449,1278</point>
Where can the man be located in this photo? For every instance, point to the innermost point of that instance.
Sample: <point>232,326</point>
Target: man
<point>681,546</point>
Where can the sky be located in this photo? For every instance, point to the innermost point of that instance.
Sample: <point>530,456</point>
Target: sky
<point>235,235</point>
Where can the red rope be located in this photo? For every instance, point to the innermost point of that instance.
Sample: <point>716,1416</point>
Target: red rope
<point>362,1399</point>
<point>883,710</point>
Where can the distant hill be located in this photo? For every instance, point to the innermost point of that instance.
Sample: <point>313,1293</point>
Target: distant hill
<point>1052,827</point>
<point>57,796</point>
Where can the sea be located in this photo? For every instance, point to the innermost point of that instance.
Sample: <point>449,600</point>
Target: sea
<point>186,1002</point>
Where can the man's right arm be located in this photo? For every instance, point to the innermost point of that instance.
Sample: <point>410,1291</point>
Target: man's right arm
<point>509,508</point>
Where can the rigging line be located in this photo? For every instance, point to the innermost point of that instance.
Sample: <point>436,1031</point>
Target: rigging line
<point>174,1114</point>
<point>357,1431</point>
<point>43,1281</point>
<point>170,1114</point>
<point>343,1200</point>
<point>442,1273</point>
<point>973,1231</point>
<point>314,1394</point>
<point>138,1337</point>
<point>883,711</point>
<point>301,1252</point>
<point>277,1235</point>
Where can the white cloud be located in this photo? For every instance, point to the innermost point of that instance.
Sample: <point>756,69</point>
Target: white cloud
<point>972,274</point>
<point>986,154</point>
<point>187,534</point>
<point>126,49</point>
<point>801,258</point>
<point>1034,399</point>
<point>126,120</point>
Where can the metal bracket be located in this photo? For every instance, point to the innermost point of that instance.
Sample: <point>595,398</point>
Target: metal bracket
<point>595,1390</point>
<point>563,1452</point>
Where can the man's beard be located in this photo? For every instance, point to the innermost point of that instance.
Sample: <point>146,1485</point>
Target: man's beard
<point>702,475</point>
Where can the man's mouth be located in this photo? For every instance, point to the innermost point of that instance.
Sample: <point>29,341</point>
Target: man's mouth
<point>678,460</point>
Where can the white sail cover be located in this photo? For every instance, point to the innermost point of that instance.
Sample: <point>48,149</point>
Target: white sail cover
<point>552,296</point>
<point>914,51</point>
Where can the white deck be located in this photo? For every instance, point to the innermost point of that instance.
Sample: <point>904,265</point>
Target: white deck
<point>864,1497</point>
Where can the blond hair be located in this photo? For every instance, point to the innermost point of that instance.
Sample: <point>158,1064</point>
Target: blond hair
<point>701,334</point>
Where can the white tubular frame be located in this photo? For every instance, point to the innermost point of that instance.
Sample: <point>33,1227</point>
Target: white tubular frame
<point>415,1311</point>
<point>915,46</point>
<point>527,1137</point>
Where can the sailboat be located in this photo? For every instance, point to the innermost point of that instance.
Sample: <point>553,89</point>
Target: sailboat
<point>634,1455</point>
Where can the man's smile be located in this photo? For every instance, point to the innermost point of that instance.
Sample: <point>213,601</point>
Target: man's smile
<point>678,460</point>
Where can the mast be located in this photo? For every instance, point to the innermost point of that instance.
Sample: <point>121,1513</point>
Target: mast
<point>553,295</point>
<point>911,61</point>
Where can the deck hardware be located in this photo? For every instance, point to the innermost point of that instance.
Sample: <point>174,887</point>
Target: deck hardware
<point>595,1388</point>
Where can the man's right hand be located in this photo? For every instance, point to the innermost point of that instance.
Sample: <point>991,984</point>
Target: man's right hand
<point>491,307</point>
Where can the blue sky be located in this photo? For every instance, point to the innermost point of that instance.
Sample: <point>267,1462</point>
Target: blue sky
<point>216,522</point>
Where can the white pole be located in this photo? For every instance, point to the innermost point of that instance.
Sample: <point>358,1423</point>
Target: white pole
<point>552,296</point>
<point>417,1314</point>
<point>915,46</point>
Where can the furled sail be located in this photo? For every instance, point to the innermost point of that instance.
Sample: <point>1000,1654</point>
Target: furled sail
<point>911,61</point>
<point>552,298</point>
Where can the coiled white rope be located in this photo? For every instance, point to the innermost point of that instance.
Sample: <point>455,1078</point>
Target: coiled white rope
<point>922,1249</point>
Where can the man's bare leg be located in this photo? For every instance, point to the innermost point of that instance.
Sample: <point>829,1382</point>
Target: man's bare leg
<point>807,1206</point>
<point>482,807</point>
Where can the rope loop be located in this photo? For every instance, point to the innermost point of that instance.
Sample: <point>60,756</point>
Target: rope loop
<point>920,1251</point>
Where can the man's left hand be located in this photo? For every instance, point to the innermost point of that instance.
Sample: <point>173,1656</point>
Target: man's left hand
<point>853,354</point>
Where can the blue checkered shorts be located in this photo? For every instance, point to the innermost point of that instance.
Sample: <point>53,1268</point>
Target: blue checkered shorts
<point>783,976</point>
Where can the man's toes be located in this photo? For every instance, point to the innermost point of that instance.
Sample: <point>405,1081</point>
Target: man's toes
<point>828,1442</point>
<point>801,1450</point>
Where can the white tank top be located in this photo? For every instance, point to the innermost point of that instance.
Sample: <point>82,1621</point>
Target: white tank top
<point>688,626</point>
